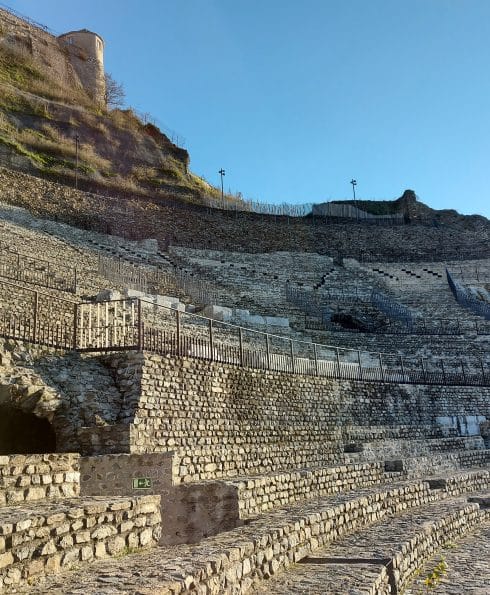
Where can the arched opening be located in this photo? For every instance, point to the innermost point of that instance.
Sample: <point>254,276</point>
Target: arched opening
<point>24,433</point>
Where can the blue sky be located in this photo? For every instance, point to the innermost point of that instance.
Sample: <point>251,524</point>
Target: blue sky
<point>294,98</point>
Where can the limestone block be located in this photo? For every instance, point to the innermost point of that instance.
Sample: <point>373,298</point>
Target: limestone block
<point>107,295</point>
<point>256,320</point>
<point>277,321</point>
<point>221,313</point>
<point>134,293</point>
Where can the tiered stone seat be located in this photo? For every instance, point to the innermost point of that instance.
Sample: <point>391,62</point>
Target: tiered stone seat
<point>45,526</point>
<point>384,557</point>
<point>240,559</point>
<point>255,282</point>
<point>466,566</point>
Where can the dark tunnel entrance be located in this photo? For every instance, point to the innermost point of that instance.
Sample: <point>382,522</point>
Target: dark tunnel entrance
<point>24,433</point>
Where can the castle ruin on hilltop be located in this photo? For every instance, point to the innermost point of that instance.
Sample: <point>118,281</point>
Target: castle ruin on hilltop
<point>76,58</point>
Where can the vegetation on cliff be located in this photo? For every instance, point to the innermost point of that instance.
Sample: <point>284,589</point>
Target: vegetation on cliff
<point>40,121</point>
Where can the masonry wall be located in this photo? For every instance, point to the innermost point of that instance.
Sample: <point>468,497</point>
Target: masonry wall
<point>201,228</point>
<point>271,420</point>
<point>41,45</point>
<point>189,512</point>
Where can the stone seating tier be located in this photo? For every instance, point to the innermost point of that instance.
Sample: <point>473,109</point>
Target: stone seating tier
<point>41,538</point>
<point>28,478</point>
<point>46,526</point>
<point>239,559</point>
<point>384,557</point>
<point>205,463</point>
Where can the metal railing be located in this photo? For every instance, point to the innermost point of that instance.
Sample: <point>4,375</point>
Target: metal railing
<point>21,267</point>
<point>465,298</point>
<point>151,280</point>
<point>133,275</point>
<point>37,317</point>
<point>136,324</point>
<point>395,311</point>
<point>142,325</point>
<point>319,314</point>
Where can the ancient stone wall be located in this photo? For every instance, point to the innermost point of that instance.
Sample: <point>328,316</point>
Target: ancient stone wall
<point>27,478</point>
<point>198,227</point>
<point>74,64</point>
<point>224,420</point>
<point>189,512</point>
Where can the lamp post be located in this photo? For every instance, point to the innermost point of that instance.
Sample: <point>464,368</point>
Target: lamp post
<point>222,173</point>
<point>354,184</point>
<point>77,144</point>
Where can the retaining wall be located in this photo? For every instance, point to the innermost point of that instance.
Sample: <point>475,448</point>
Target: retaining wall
<point>210,408</point>
<point>27,478</point>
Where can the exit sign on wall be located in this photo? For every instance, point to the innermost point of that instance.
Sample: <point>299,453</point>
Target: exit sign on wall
<point>142,483</point>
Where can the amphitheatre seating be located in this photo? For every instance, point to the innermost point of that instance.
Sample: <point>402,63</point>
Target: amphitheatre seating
<point>45,526</point>
<point>302,468</point>
<point>383,557</point>
<point>239,559</point>
<point>254,281</point>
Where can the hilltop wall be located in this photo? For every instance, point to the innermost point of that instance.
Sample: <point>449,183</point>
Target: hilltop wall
<point>191,225</point>
<point>71,63</point>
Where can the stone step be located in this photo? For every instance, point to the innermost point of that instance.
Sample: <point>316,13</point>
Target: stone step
<point>28,478</point>
<point>236,560</point>
<point>259,494</point>
<point>467,568</point>
<point>382,558</point>
<point>41,538</point>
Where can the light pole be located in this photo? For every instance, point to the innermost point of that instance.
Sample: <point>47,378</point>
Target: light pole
<point>354,184</point>
<point>77,143</point>
<point>222,173</point>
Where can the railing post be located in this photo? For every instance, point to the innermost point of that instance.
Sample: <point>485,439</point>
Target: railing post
<point>291,344</point>
<point>75,326</point>
<point>482,371</point>
<point>140,328</point>
<point>316,359</point>
<point>36,311</point>
<point>423,369</point>
<point>75,282</point>
<point>177,331</point>
<point>443,371</point>
<point>268,351</point>
<point>402,368</point>
<point>359,363</point>
<point>18,267</point>
<point>381,368</point>
<point>462,369</point>
<point>240,338</point>
<point>337,361</point>
<point>211,338</point>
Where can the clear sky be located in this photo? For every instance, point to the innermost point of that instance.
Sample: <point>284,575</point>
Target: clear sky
<point>293,98</point>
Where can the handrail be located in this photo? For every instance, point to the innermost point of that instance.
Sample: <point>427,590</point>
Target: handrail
<point>49,295</point>
<point>466,299</point>
<point>54,277</point>
<point>124,324</point>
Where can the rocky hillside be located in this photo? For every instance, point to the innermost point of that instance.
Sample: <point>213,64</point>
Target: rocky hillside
<point>41,116</point>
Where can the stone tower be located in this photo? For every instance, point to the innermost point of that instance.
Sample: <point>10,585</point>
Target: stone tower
<point>86,53</point>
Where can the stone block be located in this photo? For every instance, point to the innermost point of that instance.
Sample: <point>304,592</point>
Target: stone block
<point>108,295</point>
<point>221,313</point>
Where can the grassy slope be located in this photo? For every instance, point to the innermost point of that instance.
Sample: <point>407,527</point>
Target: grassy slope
<point>39,120</point>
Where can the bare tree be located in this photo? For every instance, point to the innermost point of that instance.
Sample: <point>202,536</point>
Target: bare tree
<point>114,92</point>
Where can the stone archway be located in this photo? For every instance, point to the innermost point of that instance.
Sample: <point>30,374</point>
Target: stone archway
<point>24,433</point>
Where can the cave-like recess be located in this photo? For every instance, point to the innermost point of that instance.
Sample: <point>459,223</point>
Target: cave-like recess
<point>24,433</point>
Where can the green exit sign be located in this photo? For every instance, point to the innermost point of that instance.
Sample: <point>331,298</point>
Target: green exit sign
<point>142,483</point>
